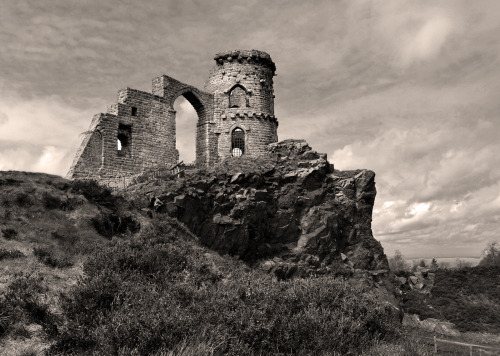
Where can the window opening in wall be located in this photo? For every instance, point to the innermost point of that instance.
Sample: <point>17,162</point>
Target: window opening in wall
<point>237,142</point>
<point>134,111</point>
<point>238,98</point>
<point>124,140</point>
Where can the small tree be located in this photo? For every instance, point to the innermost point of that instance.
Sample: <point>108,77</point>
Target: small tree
<point>491,255</point>
<point>463,264</point>
<point>398,262</point>
<point>444,265</point>
<point>434,264</point>
<point>422,263</point>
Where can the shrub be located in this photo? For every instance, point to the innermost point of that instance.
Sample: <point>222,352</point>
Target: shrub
<point>59,185</point>
<point>52,202</point>
<point>94,192</point>
<point>5,254</point>
<point>468,297</point>
<point>66,232</point>
<point>30,351</point>
<point>24,200</point>
<point>111,224</point>
<point>398,263</point>
<point>491,255</point>
<point>10,181</point>
<point>51,258</point>
<point>22,301</point>
<point>9,233</point>
<point>5,319</point>
<point>420,304</point>
<point>72,203</point>
<point>162,293</point>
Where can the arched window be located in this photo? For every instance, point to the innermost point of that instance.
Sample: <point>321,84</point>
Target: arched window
<point>238,98</point>
<point>237,142</point>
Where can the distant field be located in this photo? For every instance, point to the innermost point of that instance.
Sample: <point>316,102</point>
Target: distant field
<point>451,262</point>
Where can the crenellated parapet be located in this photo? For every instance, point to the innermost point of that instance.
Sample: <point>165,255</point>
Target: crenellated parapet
<point>245,57</point>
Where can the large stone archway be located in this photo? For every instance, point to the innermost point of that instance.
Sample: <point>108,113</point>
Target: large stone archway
<point>170,89</point>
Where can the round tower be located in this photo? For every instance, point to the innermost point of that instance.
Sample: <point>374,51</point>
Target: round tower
<point>242,85</point>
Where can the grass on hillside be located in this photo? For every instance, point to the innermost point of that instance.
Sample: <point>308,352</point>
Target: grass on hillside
<point>163,293</point>
<point>90,282</point>
<point>47,232</point>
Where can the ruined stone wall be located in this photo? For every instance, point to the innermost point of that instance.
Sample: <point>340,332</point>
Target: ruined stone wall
<point>150,125</point>
<point>238,94</point>
<point>88,158</point>
<point>153,133</point>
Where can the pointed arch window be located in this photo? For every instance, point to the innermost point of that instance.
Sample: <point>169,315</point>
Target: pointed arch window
<point>237,142</point>
<point>238,97</point>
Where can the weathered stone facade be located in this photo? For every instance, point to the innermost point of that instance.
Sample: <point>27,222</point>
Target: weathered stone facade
<point>235,117</point>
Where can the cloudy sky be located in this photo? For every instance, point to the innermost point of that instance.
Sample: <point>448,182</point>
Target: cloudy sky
<point>408,89</point>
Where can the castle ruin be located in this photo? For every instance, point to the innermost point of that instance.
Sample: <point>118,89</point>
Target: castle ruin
<point>235,118</point>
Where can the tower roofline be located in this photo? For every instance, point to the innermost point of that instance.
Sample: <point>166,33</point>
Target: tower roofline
<point>241,55</point>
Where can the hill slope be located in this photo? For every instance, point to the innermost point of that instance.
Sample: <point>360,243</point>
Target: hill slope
<point>101,283</point>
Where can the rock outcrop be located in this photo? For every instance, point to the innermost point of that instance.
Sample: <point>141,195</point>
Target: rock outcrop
<point>288,212</point>
<point>431,325</point>
<point>422,280</point>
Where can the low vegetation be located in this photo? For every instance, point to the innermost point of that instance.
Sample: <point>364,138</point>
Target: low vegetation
<point>491,255</point>
<point>469,298</point>
<point>466,296</point>
<point>10,254</point>
<point>161,293</point>
<point>151,289</point>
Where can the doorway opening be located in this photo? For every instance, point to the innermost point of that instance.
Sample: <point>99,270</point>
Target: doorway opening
<point>186,120</point>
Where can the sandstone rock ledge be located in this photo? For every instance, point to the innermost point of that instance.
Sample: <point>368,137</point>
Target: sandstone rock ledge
<point>289,212</point>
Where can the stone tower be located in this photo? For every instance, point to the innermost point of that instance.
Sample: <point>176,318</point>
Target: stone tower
<point>242,85</point>
<point>235,118</point>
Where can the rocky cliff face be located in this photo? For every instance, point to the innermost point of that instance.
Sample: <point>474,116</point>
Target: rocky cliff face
<point>289,212</point>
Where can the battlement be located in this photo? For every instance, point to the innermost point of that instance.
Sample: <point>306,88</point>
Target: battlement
<point>245,56</point>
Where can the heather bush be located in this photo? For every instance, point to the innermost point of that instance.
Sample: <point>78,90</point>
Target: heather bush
<point>419,303</point>
<point>96,193</point>
<point>161,293</point>
<point>67,234</point>
<point>52,257</point>
<point>469,297</point>
<point>10,254</point>
<point>22,302</point>
<point>24,200</point>
<point>9,233</point>
<point>5,318</point>
<point>50,201</point>
<point>110,224</point>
